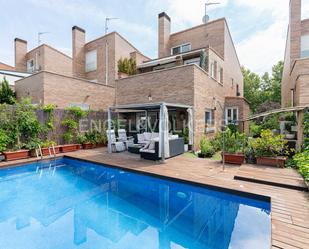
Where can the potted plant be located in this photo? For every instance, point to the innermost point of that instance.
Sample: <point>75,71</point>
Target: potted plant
<point>23,129</point>
<point>268,147</point>
<point>45,147</point>
<point>234,144</point>
<point>71,122</point>
<point>4,140</point>
<point>102,139</point>
<point>85,141</point>
<point>207,150</point>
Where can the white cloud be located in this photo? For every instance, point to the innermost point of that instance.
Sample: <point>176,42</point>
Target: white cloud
<point>263,49</point>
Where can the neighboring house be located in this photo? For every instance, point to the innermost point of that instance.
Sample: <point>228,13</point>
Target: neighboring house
<point>86,80</point>
<point>295,81</point>
<point>10,74</point>
<point>215,90</point>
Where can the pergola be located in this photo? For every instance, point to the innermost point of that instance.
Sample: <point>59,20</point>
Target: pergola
<point>163,125</point>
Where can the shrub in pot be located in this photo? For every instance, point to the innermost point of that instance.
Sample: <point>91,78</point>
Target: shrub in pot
<point>4,140</point>
<point>234,145</point>
<point>71,122</point>
<point>207,150</point>
<point>268,148</point>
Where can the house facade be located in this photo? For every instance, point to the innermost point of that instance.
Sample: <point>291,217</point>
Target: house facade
<point>196,67</point>
<point>295,81</point>
<point>86,80</point>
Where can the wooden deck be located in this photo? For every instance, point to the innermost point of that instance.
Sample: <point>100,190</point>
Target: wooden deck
<point>289,207</point>
<point>281,177</point>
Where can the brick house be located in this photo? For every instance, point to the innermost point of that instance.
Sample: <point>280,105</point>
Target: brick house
<point>214,89</point>
<point>196,67</point>
<point>87,79</point>
<point>295,81</point>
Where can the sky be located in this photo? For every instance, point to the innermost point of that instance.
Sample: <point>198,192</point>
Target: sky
<point>258,27</point>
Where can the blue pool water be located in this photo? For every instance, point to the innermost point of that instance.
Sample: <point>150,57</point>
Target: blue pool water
<point>84,205</point>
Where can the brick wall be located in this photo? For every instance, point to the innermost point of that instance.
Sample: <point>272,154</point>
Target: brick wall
<point>171,85</point>
<point>78,51</point>
<point>201,36</point>
<point>46,87</point>
<point>20,47</point>
<point>47,58</point>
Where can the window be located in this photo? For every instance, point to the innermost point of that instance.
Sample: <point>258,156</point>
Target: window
<point>91,61</point>
<point>212,69</point>
<point>181,49</point>
<point>304,46</point>
<point>231,115</point>
<point>193,61</point>
<point>237,90</point>
<point>209,120</point>
<point>30,66</point>
<point>220,74</point>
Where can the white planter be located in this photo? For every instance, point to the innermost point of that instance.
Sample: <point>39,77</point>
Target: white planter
<point>186,147</point>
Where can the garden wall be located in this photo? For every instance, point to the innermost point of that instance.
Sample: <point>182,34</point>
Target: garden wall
<point>94,120</point>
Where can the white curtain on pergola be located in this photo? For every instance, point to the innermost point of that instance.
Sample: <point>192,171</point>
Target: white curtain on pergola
<point>190,125</point>
<point>164,148</point>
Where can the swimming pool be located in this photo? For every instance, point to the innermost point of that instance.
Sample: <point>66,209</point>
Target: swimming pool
<point>84,205</point>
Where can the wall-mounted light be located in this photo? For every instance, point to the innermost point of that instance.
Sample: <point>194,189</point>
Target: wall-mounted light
<point>150,97</point>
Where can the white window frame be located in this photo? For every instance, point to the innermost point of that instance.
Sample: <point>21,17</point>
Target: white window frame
<point>92,65</point>
<point>220,74</point>
<point>212,69</point>
<point>232,108</point>
<point>210,126</point>
<point>32,68</point>
<point>181,48</point>
<point>304,50</point>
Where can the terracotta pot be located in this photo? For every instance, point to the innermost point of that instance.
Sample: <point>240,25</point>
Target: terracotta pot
<point>234,158</point>
<point>87,146</point>
<point>69,147</point>
<point>16,155</point>
<point>45,151</point>
<point>271,161</point>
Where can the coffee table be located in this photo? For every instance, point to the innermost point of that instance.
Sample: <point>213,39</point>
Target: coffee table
<point>134,148</point>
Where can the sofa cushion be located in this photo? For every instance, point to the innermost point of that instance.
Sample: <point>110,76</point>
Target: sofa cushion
<point>140,138</point>
<point>151,145</point>
<point>147,151</point>
<point>147,136</point>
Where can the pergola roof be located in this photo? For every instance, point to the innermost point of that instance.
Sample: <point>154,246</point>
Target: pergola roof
<point>281,110</point>
<point>148,106</point>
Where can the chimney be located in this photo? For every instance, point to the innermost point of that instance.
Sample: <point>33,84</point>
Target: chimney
<point>295,30</point>
<point>78,51</point>
<point>164,23</point>
<point>20,54</point>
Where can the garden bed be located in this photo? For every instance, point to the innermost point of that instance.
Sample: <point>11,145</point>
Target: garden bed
<point>16,155</point>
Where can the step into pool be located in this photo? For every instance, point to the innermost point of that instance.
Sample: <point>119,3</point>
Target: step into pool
<point>71,203</point>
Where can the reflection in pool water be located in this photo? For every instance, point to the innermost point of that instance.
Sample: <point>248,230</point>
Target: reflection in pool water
<point>83,205</point>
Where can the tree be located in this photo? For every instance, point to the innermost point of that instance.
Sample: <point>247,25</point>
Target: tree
<point>266,89</point>
<point>6,93</point>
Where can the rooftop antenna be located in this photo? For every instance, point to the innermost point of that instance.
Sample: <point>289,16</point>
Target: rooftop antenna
<point>39,36</point>
<point>107,19</point>
<point>206,17</point>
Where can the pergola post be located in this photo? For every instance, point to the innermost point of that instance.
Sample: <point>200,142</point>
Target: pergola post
<point>109,127</point>
<point>161,131</point>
